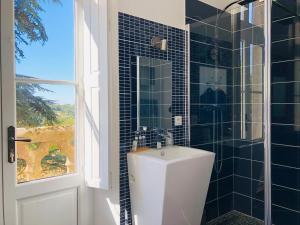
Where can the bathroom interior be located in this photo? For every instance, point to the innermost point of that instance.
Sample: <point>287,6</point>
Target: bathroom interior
<point>176,112</point>
<point>226,84</point>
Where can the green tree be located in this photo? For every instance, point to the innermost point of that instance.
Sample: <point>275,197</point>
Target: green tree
<point>55,161</point>
<point>32,110</point>
<point>28,24</point>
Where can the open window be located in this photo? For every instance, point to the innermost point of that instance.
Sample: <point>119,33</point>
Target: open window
<point>74,91</point>
<point>46,90</point>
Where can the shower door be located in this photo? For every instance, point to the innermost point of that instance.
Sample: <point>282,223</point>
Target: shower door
<point>230,107</point>
<point>250,110</point>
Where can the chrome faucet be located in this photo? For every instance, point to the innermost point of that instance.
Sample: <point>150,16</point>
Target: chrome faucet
<point>159,138</point>
<point>164,136</point>
<point>169,138</point>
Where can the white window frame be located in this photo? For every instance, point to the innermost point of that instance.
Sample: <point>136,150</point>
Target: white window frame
<point>76,84</point>
<point>96,155</point>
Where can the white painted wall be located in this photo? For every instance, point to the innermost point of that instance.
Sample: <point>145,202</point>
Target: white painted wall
<point>220,4</point>
<point>168,12</point>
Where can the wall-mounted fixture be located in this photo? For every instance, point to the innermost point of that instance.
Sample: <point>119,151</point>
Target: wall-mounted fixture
<point>159,43</point>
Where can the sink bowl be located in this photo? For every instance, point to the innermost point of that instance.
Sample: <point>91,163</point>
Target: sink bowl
<point>169,186</point>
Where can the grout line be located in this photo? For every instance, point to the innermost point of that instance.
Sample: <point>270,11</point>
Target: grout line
<point>287,103</point>
<point>239,48</point>
<point>246,196</point>
<point>287,82</point>
<point>228,85</point>
<point>229,104</point>
<point>208,24</point>
<point>216,199</point>
<point>248,28</point>
<point>246,66</point>
<point>283,145</point>
<point>285,39</point>
<point>292,189</point>
<point>145,44</point>
<point>212,65</point>
<point>231,140</point>
<point>222,178</point>
<point>285,124</point>
<point>286,18</point>
<point>252,179</point>
<point>256,161</point>
<point>296,211</point>
<point>209,44</point>
<point>285,166</point>
<point>288,60</point>
<point>233,193</point>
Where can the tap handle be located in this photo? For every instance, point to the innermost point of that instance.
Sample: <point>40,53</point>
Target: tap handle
<point>169,137</point>
<point>157,130</point>
<point>168,132</point>
<point>143,129</point>
<point>137,134</point>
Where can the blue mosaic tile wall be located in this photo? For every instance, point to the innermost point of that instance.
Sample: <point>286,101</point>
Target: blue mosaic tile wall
<point>134,40</point>
<point>285,79</point>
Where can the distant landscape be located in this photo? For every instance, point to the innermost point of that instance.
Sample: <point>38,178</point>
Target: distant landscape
<point>51,152</point>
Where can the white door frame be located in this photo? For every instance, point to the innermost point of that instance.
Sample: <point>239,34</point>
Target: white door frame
<point>42,186</point>
<point>2,19</point>
<point>7,59</point>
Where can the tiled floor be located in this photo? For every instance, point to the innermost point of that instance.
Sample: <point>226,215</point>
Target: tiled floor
<point>235,218</point>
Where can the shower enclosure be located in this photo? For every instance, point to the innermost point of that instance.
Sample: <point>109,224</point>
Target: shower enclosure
<point>244,106</point>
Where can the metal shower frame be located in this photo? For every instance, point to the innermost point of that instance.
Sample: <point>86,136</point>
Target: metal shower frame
<point>267,112</point>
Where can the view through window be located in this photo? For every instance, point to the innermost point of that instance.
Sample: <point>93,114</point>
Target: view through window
<point>45,88</point>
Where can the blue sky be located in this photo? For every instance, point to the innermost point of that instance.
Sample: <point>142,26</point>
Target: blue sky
<point>55,59</point>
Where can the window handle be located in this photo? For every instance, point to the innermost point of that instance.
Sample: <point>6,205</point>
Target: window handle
<point>21,139</point>
<point>11,132</point>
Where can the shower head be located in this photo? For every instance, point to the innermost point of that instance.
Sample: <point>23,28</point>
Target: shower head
<point>240,2</point>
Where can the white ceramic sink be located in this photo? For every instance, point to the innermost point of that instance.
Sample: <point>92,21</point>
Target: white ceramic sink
<point>169,187</point>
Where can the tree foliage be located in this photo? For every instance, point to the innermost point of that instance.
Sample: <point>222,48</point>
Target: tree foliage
<point>28,24</point>
<point>32,110</point>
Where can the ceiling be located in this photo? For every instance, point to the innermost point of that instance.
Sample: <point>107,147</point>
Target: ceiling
<point>220,4</point>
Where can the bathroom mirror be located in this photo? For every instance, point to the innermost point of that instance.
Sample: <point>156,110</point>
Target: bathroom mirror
<point>153,92</point>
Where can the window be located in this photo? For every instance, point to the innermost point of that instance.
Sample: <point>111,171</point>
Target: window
<point>46,89</point>
<point>55,94</point>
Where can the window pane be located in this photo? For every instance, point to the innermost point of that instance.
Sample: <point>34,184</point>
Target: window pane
<point>46,115</point>
<point>45,39</point>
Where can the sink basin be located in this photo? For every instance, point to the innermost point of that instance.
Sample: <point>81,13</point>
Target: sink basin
<point>169,186</point>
